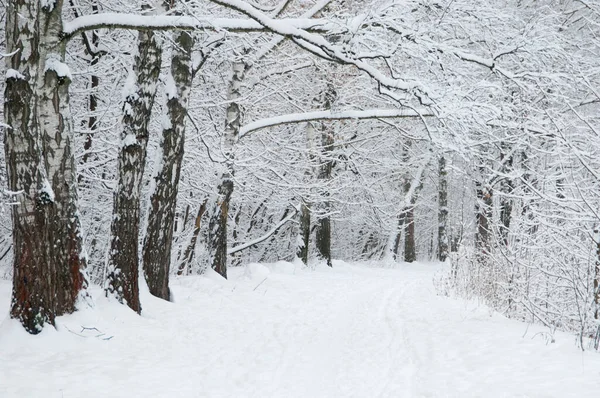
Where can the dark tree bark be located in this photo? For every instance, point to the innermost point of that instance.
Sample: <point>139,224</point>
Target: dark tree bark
<point>122,279</point>
<point>410,187</point>
<point>48,267</point>
<point>410,251</point>
<point>303,239</point>
<point>91,45</point>
<point>398,236</point>
<point>483,212</point>
<point>163,201</point>
<point>236,257</point>
<point>597,277</point>
<point>217,227</point>
<point>408,217</point>
<point>442,210</point>
<point>304,233</point>
<point>507,188</point>
<point>185,263</point>
<point>323,232</point>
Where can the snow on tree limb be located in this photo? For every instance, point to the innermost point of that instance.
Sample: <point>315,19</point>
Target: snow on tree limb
<point>171,22</point>
<point>311,42</point>
<point>332,115</point>
<point>266,236</point>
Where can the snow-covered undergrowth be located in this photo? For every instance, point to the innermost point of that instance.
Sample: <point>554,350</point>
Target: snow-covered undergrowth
<point>277,330</point>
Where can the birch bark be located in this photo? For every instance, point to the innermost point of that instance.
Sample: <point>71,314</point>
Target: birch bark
<point>442,209</point>
<point>123,260</point>
<point>217,226</point>
<point>49,267</point>
<point>163,201</point>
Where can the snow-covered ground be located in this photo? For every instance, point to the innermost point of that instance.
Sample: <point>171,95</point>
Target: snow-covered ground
<point>281,331</point>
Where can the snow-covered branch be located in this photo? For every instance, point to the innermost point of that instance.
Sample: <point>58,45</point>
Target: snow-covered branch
<point>333,115</point>
<point>319,46</point>
<point>170,22</point>
<point>265,236</point>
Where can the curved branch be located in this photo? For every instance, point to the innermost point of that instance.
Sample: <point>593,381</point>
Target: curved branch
<point>265,236</point>
<point>333,115</point>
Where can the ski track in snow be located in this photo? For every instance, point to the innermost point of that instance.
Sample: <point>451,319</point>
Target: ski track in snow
<point>350,331</point>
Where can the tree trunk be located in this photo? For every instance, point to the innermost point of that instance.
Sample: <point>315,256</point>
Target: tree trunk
<point>323,233</point>
<point>408,218</point>
<point>122,278</point>
<point>236,258</point>
<point>483,211</point>
<point>304,233</point>
<point>163,201</point>
<point>597,277</point>
<point>188,255</point>
<point>48,272</point>
<point>398,236</point>
<point>507,188</point>
<point>410,251</point>
<point>406,222</point>
<point>92,51</point>
<point>442,210</point>
<point>217,227</point>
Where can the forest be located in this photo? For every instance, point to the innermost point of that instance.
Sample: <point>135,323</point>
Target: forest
<point>149,140</point>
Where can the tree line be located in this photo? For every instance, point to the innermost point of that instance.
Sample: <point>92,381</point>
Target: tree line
<point>182,136</point>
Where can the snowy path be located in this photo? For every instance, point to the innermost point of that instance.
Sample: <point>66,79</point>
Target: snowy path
<point>348,332</point>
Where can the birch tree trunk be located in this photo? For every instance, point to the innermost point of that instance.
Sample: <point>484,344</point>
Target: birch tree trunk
<point>442,209</point>
<point>48,263</point>
<point>122,279</point>
<point>407,218</point>
<point>163,201</point>
<point>217,226</point>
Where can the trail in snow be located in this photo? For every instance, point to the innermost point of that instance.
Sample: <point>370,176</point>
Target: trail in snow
<point>282,331</point>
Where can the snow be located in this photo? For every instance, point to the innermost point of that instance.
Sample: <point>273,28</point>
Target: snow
<point>46,191</point>
<point>54,63</point>
<point>317,44</point>
<point>338,115</point>
<point>275,330</point>
<point>47,4</point>
<point>14,74</point>
<point>129,140</point>
<point>134,21</point>
<point>170,86</point>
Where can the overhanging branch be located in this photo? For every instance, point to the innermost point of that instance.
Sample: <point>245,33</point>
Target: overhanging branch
<point>333,115</point>
<point>265,236</point>
<point>176,22</point>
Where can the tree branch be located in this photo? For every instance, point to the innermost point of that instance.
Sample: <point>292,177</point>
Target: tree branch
<point>311,43</point>
<point>176,22</point>
<point>333,115</point>
<point>265,236</point>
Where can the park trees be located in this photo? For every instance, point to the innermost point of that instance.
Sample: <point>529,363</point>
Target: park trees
<point>268,128</point>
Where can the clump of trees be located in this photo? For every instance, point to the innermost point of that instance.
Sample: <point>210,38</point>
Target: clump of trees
<point>176,137</point>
